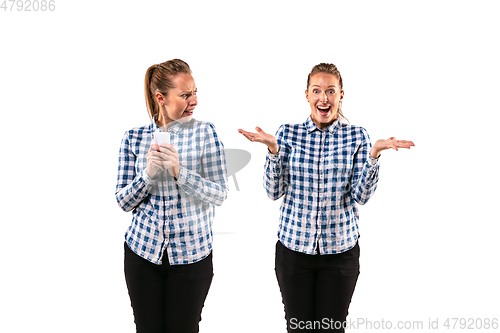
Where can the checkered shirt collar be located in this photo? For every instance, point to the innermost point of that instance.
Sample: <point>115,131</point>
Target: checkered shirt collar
<point>176,128</point>
<point>311,126</point>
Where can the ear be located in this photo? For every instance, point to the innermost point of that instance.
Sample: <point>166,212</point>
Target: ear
<point>341,95</point>
<point>159,98</point>
<point>307,95</point>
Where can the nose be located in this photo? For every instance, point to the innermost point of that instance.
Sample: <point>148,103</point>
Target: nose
<point>193,100</point>
<point>325,97</point>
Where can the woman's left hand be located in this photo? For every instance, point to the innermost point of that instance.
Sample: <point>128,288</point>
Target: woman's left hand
<point>388,144</point>
<point>166,157</point>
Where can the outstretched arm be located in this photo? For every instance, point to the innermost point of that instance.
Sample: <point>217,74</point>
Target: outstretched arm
<point>276,176</point>
<point>390,143</point>
<point>262,137</point>
<point>366,168</point>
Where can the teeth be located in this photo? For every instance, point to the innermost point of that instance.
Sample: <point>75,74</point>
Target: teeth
<point>323,108</point>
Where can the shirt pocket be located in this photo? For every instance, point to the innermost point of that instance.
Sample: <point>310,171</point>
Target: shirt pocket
<point>302,168</point>
<point>340,163</point>
<point>341,157</point>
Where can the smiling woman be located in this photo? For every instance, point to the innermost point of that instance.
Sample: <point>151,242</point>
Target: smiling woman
<point>325,94</point>
<point>323,168</point>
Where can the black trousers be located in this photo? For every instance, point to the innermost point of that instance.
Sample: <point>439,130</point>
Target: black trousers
<point>316,289</point>
<point>167,298</point>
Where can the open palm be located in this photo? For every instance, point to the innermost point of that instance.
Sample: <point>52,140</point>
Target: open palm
<point>390,143</point>
<point>262,137</point>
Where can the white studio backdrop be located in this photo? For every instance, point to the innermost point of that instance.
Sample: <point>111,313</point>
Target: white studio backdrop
<point>71,81</point>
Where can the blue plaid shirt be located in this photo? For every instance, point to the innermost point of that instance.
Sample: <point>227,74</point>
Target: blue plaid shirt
<point>322,176</point>
<point>167,213</point>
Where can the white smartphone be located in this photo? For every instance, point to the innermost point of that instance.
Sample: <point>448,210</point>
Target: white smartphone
<point>161,138</point>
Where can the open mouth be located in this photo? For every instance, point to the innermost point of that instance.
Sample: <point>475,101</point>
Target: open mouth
<point>323,110</point>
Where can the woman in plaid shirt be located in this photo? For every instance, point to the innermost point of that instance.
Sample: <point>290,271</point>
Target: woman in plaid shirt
<point>322,168</point>
<point>172,190</point>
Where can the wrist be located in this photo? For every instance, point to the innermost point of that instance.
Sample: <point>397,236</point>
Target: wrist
<point>273,149</point>
<point>175,171</point>
<point>375,154</point>
<point>149,176</point>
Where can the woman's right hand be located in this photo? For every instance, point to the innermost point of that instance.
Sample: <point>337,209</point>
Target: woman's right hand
<point>262,137</point>
<point>152,167</point>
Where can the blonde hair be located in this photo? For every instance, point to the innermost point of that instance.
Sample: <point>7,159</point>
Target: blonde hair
<point>328,69</point>
<point>159,79</point>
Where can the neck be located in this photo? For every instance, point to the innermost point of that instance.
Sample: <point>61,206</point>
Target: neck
<point>162,121</point>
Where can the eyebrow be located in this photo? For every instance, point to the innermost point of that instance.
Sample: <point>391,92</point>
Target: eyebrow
<point>315,85</point>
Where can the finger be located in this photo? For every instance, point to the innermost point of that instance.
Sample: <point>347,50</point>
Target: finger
<point>152,155</point>
<point>252,137</point>
<point>165,164</point>
<point>158,164</point>
<point>248,133</point>
<point>167,145</point>
<point>257,138</point>
<point>408,143</point>
<point>165,151</point>
<point>249,136</point>
<point>168,149</point>
<point>259,130</point>
<point>153,147</point>
<point>155,155</point>
<point>405,144</point>
<point>392,138</point>
<point>243,131</point>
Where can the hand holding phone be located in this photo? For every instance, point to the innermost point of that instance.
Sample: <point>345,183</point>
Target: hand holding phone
<point>158,139</point>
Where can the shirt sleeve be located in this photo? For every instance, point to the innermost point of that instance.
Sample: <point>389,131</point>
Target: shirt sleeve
<point>366,172</point>
<point>131,187</point>
<point>212,187</point>
<point>276,172</point>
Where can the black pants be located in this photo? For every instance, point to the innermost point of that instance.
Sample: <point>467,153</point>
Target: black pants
<point>167,298</point>
<point>316,289</point>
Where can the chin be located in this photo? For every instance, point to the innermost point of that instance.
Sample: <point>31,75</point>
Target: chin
<point>185,119</point>
<point>325,120</point>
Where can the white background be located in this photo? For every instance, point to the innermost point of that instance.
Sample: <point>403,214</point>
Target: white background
<point>71,83</point>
